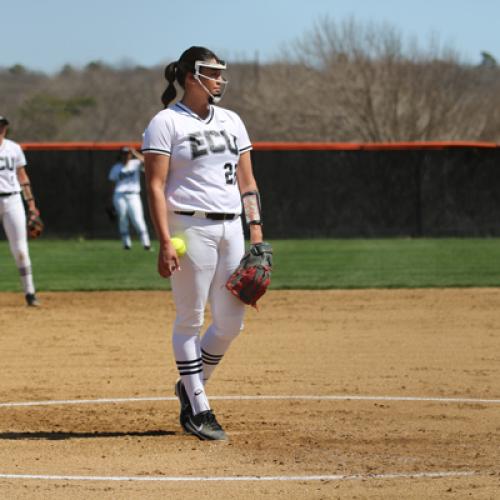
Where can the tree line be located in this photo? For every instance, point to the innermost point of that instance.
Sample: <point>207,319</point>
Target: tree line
<point>341,82</point>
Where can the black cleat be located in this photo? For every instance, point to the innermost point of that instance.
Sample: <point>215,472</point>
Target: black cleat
<point>31,300</point>
<point>127,247</point>
<point>205,426</point>
<point>180,392</point>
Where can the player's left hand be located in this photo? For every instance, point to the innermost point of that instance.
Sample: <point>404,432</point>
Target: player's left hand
<point>35,225</point>
<point>253,276</point>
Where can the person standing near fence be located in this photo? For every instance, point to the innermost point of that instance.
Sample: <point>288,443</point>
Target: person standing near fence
<point>15,187</point>
<point>198,167</point>
<point>125,174</point>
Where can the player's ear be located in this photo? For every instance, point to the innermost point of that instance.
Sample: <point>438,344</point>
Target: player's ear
<point>190,80</point>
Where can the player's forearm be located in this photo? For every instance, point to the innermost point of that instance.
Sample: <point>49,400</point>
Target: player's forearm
<point>158,210</point>
<point>156,168</point>
<point>256,234</point>
<point>247,183</point>
<point>138,155</point>
<point>253,214</point>
<point>26,190</point>
<point>252,210</point>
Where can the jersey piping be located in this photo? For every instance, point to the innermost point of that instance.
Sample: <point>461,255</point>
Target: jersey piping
<point>161,151</point>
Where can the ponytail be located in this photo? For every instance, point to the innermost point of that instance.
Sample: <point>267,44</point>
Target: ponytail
<point>170,92</point>
<point>178,70</point>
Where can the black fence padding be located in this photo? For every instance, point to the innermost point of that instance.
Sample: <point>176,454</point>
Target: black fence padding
<point>72,191</point>
<point>305,194</point>
<point>460,193</point>
<point>337,193</point>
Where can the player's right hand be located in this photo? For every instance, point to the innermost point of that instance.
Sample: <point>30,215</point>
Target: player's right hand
<point>168,260</point>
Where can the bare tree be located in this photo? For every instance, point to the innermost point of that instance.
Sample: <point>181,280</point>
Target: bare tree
<point>339,82</point>
<point>386,91</point>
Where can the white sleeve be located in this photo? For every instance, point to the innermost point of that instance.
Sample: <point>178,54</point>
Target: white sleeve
<point>113,173</point>
<point>20,158</point>
<point>158,135</point>
<point>243,139</point>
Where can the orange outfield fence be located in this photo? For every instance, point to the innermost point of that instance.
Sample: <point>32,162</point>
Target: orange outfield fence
<point>275,146</point>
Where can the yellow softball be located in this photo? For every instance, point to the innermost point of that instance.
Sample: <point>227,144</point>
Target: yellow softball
<point>179,245</point>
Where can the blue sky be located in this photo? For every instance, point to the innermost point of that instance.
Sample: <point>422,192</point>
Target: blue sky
<point>46,34</point>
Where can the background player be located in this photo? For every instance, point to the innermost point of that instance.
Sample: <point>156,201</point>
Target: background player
<point>125,174</point>
<point>13,181</point>
<point>197,159</point>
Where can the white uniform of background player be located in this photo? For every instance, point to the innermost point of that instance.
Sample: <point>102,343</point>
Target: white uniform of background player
<point>12,212</point>
<point>197,159</point>
<point>127,198</point>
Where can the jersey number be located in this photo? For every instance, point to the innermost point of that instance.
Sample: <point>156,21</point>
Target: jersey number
<point>230,173</point>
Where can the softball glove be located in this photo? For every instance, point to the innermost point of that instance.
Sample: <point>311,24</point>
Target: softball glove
<point>35,224</point>
<point>253,275</point>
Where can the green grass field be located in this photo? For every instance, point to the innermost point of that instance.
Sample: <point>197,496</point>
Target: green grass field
<point>298,264</point>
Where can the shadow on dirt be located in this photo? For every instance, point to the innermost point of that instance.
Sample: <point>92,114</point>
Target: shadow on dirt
<point>60,435</point>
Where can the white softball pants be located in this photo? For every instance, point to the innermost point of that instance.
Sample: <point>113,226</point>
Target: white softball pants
<point>214,250</point>
<point>13,217</point>
<point>129,206</point>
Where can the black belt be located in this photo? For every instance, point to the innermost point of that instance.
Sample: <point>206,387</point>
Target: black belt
<point>2,195</point>
<point>207,215</point>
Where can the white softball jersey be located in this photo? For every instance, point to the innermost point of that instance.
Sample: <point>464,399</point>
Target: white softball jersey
<point>204,155</point>
<point>126,176</point>
<point>11,158</point>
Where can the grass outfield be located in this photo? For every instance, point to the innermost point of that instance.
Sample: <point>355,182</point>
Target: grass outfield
<point>306,264</point>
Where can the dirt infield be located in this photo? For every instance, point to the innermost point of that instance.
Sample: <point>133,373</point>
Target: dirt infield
<point>335,358</point>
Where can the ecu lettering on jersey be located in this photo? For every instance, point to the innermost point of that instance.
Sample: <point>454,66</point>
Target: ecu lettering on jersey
<point>212,141</point>
<point>11,158</point>
<point>204,155</point>
<point>6,163</point>
<point>124,175</point>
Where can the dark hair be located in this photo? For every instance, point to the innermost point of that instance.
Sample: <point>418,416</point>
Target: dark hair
<point>122,152</point>
<point>179,69</point>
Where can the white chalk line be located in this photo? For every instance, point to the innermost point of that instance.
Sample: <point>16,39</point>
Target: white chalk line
<point>254,398</point>
<point>323,477</point>
<point>309,478</point>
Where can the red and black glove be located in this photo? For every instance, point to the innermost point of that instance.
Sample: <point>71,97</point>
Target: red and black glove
<point>34,224</point>
<point>253,275</point>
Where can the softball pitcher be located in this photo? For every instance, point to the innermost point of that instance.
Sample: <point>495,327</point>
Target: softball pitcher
<point>197,160</point>
<point>125,175</point>
<point>14,181</point>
